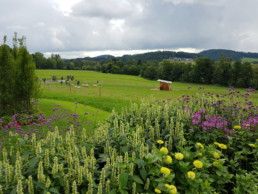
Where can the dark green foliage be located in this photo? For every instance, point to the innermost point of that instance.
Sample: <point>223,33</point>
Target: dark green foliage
<point>215,54</point>
<point>6,81</point>
<point>242,74</point>
<point>18,83</point>
<point>150,72</point>
<point>222,71</point>
<point>40,60</point>
<point>202,71</point>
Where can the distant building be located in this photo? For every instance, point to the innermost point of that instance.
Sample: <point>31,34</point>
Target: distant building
<point>180,59</point>
<point>164,84</point>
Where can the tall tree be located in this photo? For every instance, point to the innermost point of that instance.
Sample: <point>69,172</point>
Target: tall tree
<point>40,60</point>
<point>222,71</point>
<point>18,83</point>
<point>202,71</point>
<point>7,79</point>
<point>27,85</point>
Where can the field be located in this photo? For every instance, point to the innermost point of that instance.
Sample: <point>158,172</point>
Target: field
<point>250,60</point>
<point>192,139</point>
<point>115,91</point>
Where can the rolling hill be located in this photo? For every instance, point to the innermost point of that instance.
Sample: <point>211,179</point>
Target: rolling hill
<point>213,54</point>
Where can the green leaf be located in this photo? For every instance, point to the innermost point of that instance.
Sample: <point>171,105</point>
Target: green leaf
<point>123,179</point>
<point>143,173</point>
<point>33,164</point>
<point>137,179</point>
<point>14,190</point>
<point>123,192</point>
<point>54,190</point>
<point>139,162</point>
<point>39,185</point>
<point>112,192</point>
<point>22,142</point>
<point>102,157</point>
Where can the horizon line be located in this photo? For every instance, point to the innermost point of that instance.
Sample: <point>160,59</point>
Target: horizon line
<point>115,53</point>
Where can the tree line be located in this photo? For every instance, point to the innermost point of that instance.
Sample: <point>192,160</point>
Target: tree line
<point>18,83</point>
<point>203,70</point>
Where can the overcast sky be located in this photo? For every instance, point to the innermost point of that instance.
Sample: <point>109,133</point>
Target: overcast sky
<point>77,28</point>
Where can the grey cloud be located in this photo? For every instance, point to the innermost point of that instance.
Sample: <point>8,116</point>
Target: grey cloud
<point>132,24</point>
<point>105,9</point>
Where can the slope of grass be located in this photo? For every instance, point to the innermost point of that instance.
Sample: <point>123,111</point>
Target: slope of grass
<point>250,60</point>
<point>115,91</point>
<point>47,106</point>
<point>88,116</point>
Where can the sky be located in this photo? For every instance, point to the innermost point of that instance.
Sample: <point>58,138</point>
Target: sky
<point>80,28</point>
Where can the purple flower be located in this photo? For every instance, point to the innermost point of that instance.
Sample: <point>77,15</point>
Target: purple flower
<point>187,109</point>
<point>250,90</point>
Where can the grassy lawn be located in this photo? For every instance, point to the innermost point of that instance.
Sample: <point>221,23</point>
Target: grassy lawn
<point>115,91</point>
<point>250,60</point>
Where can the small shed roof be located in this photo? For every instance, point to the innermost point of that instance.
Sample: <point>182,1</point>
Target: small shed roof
<point>164,81</point>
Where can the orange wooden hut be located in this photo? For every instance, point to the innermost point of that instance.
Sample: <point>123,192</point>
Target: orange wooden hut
<point>164,84</point>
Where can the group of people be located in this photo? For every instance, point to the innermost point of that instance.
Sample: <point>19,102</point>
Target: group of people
<point>68,81</point>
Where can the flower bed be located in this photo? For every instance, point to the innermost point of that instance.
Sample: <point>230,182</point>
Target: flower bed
<point>205,144</point>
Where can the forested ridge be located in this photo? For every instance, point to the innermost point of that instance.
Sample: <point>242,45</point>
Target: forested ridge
<point>173,66</point>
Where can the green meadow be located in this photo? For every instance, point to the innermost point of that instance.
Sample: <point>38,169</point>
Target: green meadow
<point>250,60</point>
<point>113,92</point>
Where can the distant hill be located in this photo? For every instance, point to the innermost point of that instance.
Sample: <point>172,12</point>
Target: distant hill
<point>151,56</point>
<point>102,57</point>
<point>97,59</point>
<point>215,54</point>
<point>158,56</point>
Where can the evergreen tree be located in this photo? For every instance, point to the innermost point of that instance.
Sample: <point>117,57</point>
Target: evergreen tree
<point>26,86</point>
<point>242,74</point>
<point>18,83</point>
<point>202,71</point>
<point>40,60</point>
<point>222,71</point>
<point>7,80</point>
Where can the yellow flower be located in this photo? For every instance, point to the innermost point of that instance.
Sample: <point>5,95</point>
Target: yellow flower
<point>256,139</point>
<point>167,186</point>
<point>200,145</point>
<point>199,154</point>
<point>157,191</point>
<point>168,160</point>
<point>164,150</point>
<point>165,171</point>
<point>223,146</point>
<point>247,125</point>
<point>198,164</point>
<point>191,175</point>
<point>216,143</point>
<point>237,127</point>
<point>216,155</point>
<point>252,145</point>
<point>160,141</point>
<point>216,163</point>
<point>172,189</point>
<point>179,156</point>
